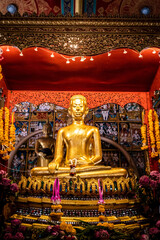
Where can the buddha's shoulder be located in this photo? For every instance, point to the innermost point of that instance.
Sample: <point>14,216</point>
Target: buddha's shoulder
<point>92,128</point>
<point>70,128</point>
<point>63,129</point>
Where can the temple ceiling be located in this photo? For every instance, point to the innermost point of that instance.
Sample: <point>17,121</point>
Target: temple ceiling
<point>97,7</point>
<point>79,35</point>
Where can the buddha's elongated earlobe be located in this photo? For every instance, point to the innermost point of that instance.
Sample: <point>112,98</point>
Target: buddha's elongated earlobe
<point>69,111</point>
<point>86,111</point>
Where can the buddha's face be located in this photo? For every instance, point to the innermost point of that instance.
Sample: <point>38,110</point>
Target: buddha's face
<point>78,108</point>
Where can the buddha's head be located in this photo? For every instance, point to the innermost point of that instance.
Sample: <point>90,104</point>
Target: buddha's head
<point>78,107</point>
<point>47,129</point>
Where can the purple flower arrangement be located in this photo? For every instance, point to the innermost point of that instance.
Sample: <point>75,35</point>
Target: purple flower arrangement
<point>63,231</point>
<point>3,174</point>
<point>148,188</point>
<point>149,193</point>
<point>8,191</point>
<point>144,181</point>
<point>152,181</point>
<point>15,231</point>
<point>7,184</point>
<point>153,233</point>
<point>102,234</point>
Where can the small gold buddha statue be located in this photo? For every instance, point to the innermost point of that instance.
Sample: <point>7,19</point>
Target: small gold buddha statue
<point>44,146</point>
<point>83,145</point>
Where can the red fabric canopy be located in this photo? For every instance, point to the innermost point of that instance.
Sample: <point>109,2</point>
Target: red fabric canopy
<point>120,70</point>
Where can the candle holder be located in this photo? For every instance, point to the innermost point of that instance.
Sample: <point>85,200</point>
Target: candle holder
<point>101,201</point>
<point>56,213</point>
<point>101,208</point>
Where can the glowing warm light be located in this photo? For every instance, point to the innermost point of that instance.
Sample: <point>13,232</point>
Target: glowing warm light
<point>83,59</point>
<point>124,52</point>
<point>109,54</point>
<point>91,59</point>
<point>7,50</point>
<point>67,61</point>
<point>140,56</point>
<point>73,46</point>
<point>154,52</point>
<point>73,59</point>
<point>21,54</point>
<point>36,49</point>
<point>52,55</point>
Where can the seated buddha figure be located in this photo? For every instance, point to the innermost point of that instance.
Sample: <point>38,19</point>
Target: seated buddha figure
<point>44,146</point>
<point>83,146</point>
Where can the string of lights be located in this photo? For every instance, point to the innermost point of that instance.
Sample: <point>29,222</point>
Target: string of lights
<point>82,58</point>
<point>68,59</point>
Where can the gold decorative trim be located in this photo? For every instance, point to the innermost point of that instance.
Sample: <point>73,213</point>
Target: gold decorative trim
<point>77,186</point>
<point>91,219</point>
<point>79,203</point>
<point>94,35</point>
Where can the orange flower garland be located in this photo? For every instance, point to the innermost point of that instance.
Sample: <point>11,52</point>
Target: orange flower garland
<point>56,211</point>
<point>7,133</point>
<point>157,133</point>
<point>101,209</point>
<point>144,137</point>
<point>153,132</point>
<point>1,76</point>
<point>1,124</point>
<point>12,136</point>
<point>144,134</point>
<point>106,224</point>
<point>68,228</point>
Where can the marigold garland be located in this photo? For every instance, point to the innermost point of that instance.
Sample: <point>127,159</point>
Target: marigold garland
<point>101,209</point>
<point>1,75</point>
<point>7,133</point>
<point>106,224</point>
<point>56,206</point>
<point>154,133</point>
<point>157,133</point>
<point>56,212</point>
<point>68,228</point>
<point>63,225</point>
<point>60,214</point>
<point>1,124</point>
<point>101,218</point>
<point>144,137</point>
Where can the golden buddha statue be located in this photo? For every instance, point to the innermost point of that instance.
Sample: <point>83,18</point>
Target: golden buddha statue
<point>44,146</point>
<point>83,147</point>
